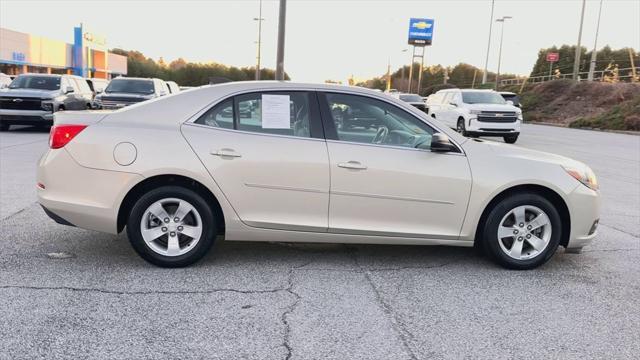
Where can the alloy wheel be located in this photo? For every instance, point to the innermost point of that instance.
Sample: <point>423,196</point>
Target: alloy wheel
<point>524,232</point>
<point>171,227</point>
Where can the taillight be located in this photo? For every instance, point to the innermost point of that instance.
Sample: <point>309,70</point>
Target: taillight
<point>60,135</point>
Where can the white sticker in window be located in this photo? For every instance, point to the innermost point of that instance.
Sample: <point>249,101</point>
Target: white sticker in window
<point>276,112</point>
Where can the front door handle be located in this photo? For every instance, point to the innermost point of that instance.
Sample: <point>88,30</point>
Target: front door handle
<point>225,153</point>
<point>355,165</point>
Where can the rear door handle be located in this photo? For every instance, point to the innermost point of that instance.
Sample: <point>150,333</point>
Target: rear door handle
<point>355,165</point>
<point>225,153</point>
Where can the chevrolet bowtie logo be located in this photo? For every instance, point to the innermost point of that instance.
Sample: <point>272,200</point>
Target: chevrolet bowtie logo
<point>421,25</point>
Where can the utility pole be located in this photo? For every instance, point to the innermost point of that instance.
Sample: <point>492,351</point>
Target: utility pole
<point>404,51</point>
<point>281,24</point>
<point>259,19</point>
<point>501,20</point>
<point>594,53</point>
<point>576,63</point>
<point>389,74</point>
<point>486,61</point>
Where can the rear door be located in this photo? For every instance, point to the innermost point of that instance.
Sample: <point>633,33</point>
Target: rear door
<point>267,152</point>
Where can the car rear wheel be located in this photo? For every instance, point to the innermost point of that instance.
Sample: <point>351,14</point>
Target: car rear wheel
<point>171,226</point>
<point>511,139</point>
<point>522,231</point>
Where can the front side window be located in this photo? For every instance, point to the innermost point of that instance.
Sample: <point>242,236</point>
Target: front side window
<point>370,121</point>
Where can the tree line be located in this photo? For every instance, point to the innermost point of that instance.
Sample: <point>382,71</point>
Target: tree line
<point>188,73</point>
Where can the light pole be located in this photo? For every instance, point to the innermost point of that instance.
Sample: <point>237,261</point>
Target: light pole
<point>281,24</point>
<point>502,21</point>
<point>486,60</point>
<point>403,51</point>
<point>594,53</point>
<point>576,63</point>
<point>259,19</point>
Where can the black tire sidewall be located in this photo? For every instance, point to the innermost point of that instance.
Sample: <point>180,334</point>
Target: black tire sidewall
<point>206,215</point>
<point>510,139</point>
<point>490,239</point>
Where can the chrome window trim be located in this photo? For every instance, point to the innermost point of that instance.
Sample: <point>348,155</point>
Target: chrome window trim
<point>252,132</point>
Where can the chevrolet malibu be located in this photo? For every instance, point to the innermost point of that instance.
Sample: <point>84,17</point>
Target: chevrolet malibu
<point>273,161</point>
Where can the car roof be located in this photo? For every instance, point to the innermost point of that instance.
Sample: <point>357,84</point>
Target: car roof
<point>134,78</point>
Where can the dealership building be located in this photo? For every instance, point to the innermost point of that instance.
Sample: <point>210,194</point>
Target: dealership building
<point>88,55</point>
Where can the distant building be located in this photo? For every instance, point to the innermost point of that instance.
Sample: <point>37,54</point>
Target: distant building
<point>87,56</point>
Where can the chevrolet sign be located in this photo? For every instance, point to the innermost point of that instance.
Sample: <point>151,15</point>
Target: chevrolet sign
<point>420,31</point>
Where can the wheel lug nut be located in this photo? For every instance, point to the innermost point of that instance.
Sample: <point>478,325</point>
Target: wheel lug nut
<point>529,227</point>
<point>521,225</point>
<point>172,234</point>
<point>520,238</point>
<point>180,228</point>
<point>166,220</point>
<point>164,229</point>
<point>515,231</point>
<point>528,236</point>
<point>176,219</point>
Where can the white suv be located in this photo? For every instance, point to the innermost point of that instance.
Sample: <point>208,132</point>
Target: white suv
<point>476,113</point>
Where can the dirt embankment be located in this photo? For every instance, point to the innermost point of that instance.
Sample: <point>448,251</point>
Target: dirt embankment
<point>586,104</point>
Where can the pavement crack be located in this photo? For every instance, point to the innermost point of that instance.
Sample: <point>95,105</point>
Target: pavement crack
<point>18,212</point>
<point>622,231</point>
<point>396,322</point>
<point>289,310</point>
<point>117,292</point>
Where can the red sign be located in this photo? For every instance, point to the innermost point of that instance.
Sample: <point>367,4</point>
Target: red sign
<point>553,57</point>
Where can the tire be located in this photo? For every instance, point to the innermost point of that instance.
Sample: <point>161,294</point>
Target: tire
<point>196,215</point>
<point>4,126</point>
<point>461,128</point>
<point>536,246</point>
<point>511,139</point>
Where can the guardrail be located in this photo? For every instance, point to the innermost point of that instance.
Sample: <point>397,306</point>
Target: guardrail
<point>624,75</point>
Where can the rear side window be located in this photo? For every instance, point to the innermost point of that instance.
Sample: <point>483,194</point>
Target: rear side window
<point>220,116</point>
<point>279,113</point>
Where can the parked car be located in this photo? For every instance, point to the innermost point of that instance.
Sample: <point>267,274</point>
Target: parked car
<point>5,80</point>
<point>123,91</point>
<point>179,171</point>
<point>97,86</point>
<point>173,87</point>
<point>510,96</point>
<point>32,99</point>
<point>476,113</point>
<point>412,99</point>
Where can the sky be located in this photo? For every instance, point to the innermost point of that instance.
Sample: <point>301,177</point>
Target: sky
<point>331,39</point>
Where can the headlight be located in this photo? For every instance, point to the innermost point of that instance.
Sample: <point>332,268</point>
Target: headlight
<point>585,176</point>
<point>475,112</point>
<point>47,106</point>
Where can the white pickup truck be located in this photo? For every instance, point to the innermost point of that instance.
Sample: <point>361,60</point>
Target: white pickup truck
<point>476,113</point>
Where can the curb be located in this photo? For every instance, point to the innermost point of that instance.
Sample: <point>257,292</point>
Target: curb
<point>625,132</point>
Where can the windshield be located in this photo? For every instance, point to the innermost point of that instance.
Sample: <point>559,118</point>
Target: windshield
<point>410,98</point>
<point>36,82</point>
<point>477,97</point>
<point>130,86</point>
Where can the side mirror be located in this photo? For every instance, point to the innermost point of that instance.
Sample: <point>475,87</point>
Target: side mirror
<point>509,102</point>
<point>441,143</point>
<point>68,89</point>
<point>99,91</point>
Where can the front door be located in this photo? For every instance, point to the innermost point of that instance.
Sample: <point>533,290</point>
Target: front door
<point>381,182</point>
<point>267,153</point>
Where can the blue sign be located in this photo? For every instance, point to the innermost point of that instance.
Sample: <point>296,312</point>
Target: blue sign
<point>18,56</point>
<point>420,31</point>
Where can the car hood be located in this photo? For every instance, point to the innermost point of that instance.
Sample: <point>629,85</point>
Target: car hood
<point>517,152</point>
<point>33,93</point>
<point>492,107</point>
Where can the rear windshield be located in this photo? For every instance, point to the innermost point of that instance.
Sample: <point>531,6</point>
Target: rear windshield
<point>130,86</point>
<point>410,98</point>
<point>477,97</point>
<point>36,82</point>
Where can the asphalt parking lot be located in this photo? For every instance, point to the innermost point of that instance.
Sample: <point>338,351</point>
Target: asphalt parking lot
<point>277,301</point>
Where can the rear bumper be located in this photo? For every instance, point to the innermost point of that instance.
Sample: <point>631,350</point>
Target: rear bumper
<point>26,117</point>
<point>79,196</point>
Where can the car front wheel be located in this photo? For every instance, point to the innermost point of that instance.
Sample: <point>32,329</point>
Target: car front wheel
<point>171,226</point>
<point>522,231</point>
<point>511,139</point>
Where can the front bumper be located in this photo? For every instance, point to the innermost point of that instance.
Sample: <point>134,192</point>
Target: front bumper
<point>485,128</point>
<point>26,117</point>
<point>584,207</point>
<point>79,196</point>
